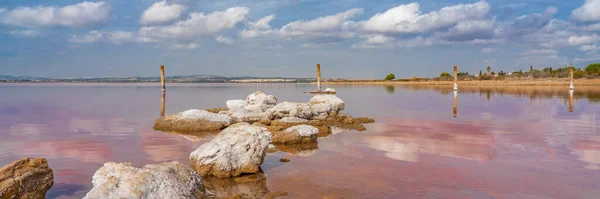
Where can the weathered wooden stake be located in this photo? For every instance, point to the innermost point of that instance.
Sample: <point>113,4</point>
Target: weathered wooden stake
<point>571,86</point>
<point>571,100</point>
<point>318,77</point>
<point>455,78</point>
<point>162,104</point>
<point>455,109</point>
<point>162,78</point>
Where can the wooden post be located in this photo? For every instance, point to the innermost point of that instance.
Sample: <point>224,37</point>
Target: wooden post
<point>455,109</point>
<point>455,78</point>
<point>571,100</point>
<point>162,78</point>
<point>318,77</point>
<point>162,104</point>
<point>571,86</point>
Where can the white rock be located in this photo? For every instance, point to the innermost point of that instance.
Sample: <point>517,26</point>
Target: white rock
<point>249,117</point>
<point>261,98</point>
<point>166,180</point>
<point>202,114</point>
<point>330,90</point>
<point>293,120</point>
<point>303,130</point>
<point>333,103</point>
<point>292,109</point>
<point>238,149</point>
<point>234,105</point>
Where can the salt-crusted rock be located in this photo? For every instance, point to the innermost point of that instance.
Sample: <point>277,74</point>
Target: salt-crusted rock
<point>259,102</point>
<point>237,150</point>
<point>235,105</point>
<point>334,104</point>
<point>292,109</point>
<point>165,180</point>
<point>293,120</point>
<point>295,135</point>
<point>249,117</point>
<point>192,121</point>
<point>26,178</point>
<point>329,90</point>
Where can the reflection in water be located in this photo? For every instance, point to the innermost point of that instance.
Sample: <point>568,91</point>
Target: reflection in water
<point>162,104</point>
<point>306,149</point>
<point>571,100</point>
<point>248,186</point>
<point>455,107</point>
<point>390,89</point>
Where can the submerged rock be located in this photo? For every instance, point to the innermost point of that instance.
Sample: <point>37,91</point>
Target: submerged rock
<point>238,149</point>
<point>166,180</point>
<point>26,178</point>
<point>295,135</point>
<point>192,121</point>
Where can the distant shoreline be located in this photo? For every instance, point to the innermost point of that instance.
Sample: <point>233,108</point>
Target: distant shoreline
<point>530,82</point>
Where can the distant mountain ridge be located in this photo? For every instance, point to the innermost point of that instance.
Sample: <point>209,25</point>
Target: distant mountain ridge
<point>175,78</point>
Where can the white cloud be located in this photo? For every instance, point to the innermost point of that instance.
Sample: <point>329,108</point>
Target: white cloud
<point>535,52</point>
<point>378,39</point>
<point>161,13</point>
<point>488,50</point>
<point>223,39</point>
<point>407,18</point>
<point>198,24</point>
<point>581,40</point>
<point>588,48</point>
<point>184,46</point>
<point>321,24</point>
<point>588,12</point>
<point>262,24</point>
<point>114,37</point>
<point>91,37</point>
<point>82,14</point>
<point>24,33</point>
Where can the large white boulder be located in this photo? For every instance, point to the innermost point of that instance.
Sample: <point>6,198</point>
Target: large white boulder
<point>295,135</point>
<point>193,120</point>
<point>237,150</point>
<point>166,180</point>
<point>330,103</point>
<point>259,102</point>
<point>235,105</point>
<point>292,109</point>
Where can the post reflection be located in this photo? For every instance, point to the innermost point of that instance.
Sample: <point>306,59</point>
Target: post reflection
<point>571,100</point>
<point>455,108</point>
<point>162,104</point>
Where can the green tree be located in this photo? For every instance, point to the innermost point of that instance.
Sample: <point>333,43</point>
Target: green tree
<point>445,74</point>
<point>390,76</point>
<point>593,68</point>
<point>480,73</point>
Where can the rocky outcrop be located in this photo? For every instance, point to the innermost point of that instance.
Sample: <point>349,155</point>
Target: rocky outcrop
<point>325,105</point>
<point>26,178</point>
<point>254,108</point>
<point>193,120</point>
<point>296,135</point>
<point>238,149</point>
<point>292,109</point>
<point>166,180</point>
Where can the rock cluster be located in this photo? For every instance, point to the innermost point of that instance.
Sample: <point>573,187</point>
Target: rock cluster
<point>26,178</point>
<point>165,180</point>
<point>238,149</point>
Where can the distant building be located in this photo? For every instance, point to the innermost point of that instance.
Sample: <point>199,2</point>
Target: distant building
<point>262,80</point>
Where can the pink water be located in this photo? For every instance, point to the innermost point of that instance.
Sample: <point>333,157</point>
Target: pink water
<point>502,143</point>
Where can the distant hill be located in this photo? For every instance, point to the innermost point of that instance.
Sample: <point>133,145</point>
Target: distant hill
<point>175,79</point>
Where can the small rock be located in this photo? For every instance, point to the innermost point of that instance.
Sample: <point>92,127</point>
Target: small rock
<point>26,178</point>
<point>293,120</point>
<point>166,180</point>
<point>364,120</point>
<point>238,149</point>
<point>329,90</point>
<point>192,121</point>
<point>284,160</point>
<point>295,135</point>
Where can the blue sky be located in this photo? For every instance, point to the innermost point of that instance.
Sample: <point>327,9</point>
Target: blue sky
<point>349,38</point>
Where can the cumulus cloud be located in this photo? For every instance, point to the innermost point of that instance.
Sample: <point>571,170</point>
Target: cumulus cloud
<point>321,24</point>
<point>588,12</point>
<point>77,15</point>
<point>262,24</point>
<point>224,40</point>
<point>161,13</point>
<point>581,40</point>
<point>198,24</point>
<point>24,33</point>
<point>407,18</point>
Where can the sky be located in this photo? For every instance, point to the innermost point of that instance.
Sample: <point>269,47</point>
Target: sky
<point>287,38</point>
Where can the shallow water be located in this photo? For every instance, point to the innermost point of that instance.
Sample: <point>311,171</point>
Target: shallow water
<point>516,142</point>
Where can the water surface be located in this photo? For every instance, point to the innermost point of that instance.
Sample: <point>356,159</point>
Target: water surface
<point>427,142</point>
